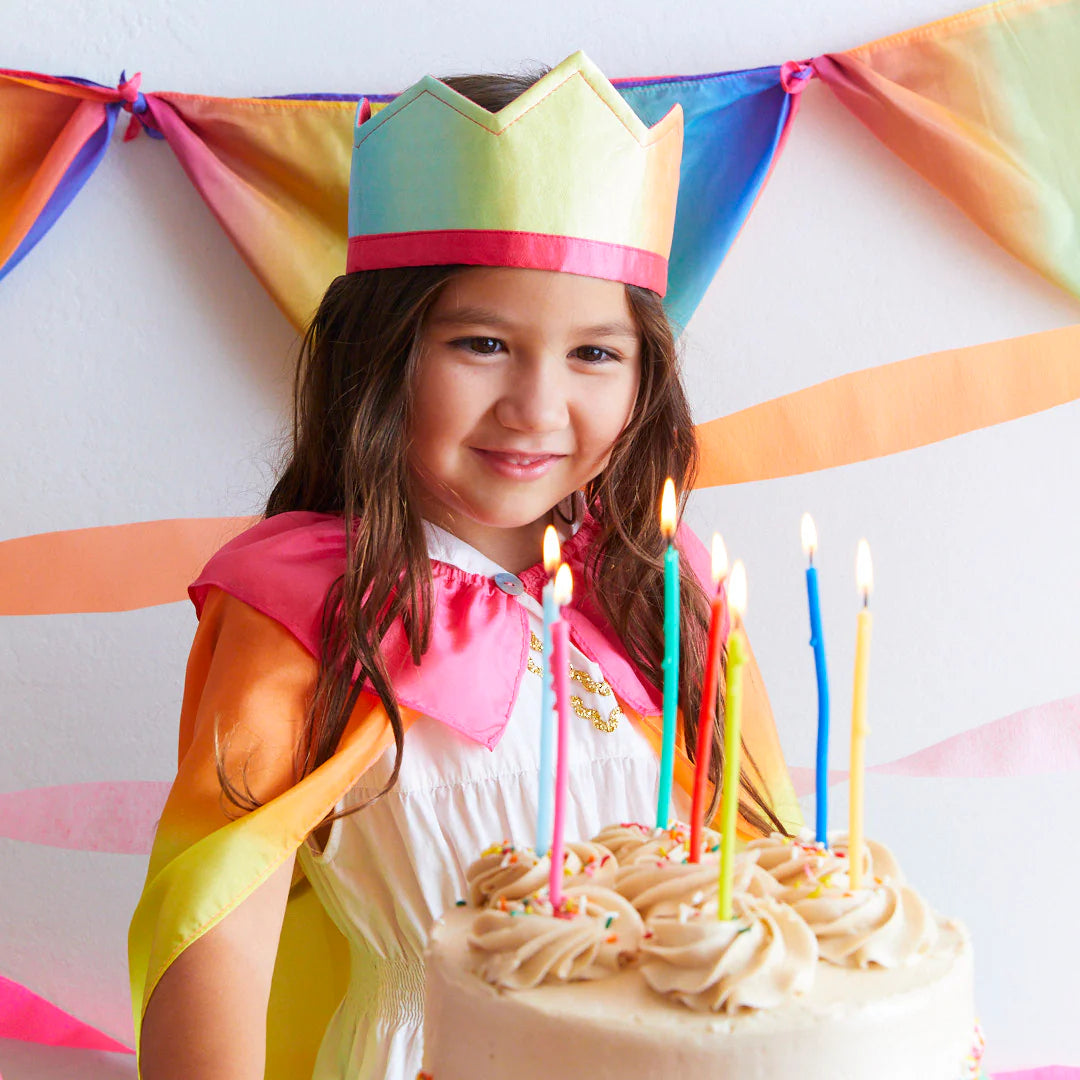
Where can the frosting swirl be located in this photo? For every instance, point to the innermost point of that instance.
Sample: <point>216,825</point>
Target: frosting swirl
<point>594,933</point>
<point>756,960</point>
<point>801,861</point>
<point>631,841</point>
<point>887,925</point>
<point>656,887</point>
<point>505,873</point>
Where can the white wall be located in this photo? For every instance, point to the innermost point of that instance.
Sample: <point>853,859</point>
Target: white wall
<point>146,376</point>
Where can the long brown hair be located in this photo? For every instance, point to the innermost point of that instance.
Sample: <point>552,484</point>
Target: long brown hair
<point>349,456</point>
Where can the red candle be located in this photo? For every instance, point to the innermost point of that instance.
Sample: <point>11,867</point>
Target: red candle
<point>706,716</point>
<point>560,666</point>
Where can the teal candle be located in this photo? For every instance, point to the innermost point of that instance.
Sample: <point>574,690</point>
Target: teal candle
<point>671,656</point>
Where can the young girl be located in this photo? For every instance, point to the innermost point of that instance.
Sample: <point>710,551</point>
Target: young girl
<point>362,707</point>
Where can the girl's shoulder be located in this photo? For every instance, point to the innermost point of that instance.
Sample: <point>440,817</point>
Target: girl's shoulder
<point>283,567</point>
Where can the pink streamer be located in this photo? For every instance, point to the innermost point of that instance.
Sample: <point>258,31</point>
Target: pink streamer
<point>29,1018</point>
<point>118,817</point>
<point>1035,741</point>
<point>1046,1072</point>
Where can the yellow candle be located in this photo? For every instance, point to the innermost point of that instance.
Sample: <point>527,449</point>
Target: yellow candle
<point>729,799</point>
<point>859,729</point>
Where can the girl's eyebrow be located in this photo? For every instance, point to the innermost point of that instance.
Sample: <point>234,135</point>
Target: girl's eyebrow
<point>478,316</point>
<point>471,316</point>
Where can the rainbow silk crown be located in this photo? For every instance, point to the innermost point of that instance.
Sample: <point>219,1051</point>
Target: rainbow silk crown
<point>566,177</point>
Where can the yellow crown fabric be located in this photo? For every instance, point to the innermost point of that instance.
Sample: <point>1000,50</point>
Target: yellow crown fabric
<point>566,177</point>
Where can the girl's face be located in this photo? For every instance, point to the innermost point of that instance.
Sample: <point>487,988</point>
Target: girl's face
<point>525,380</point>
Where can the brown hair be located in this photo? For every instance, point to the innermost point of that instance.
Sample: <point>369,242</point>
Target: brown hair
<point>349,456</point>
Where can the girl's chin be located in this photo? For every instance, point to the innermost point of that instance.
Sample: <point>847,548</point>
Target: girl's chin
<point>507,518</point>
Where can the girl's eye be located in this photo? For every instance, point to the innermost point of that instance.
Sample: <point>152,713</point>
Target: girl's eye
<point>485,346</point>
<point>593,354</point>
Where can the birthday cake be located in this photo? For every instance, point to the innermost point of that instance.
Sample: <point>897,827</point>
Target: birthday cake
<point>633,974</point>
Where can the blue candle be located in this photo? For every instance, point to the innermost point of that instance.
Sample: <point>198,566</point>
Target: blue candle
<point>670,665</point>
<point>547,696</point>
<point>817,643</point>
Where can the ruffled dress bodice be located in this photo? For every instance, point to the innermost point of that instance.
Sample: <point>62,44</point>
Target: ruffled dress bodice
<point>388,872</point>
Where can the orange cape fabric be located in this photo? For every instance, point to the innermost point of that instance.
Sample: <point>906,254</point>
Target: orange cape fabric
<point>249,680</point>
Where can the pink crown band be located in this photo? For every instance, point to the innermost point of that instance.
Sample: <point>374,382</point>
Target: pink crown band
<point>493,247</point>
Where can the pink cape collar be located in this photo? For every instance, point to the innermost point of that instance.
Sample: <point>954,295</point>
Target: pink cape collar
<point>469,677</point>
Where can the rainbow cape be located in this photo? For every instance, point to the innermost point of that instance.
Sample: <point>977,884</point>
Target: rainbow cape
<point>251,670</point>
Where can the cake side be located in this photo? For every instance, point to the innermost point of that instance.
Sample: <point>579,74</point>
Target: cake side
<point>862,1024</point>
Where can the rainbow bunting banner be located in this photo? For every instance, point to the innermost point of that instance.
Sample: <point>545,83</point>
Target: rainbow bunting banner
<point>984,106</point>
<point>55,133</point>
<point>275,171</point>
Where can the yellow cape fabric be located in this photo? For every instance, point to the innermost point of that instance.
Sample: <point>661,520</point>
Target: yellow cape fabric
<point>249,681</point>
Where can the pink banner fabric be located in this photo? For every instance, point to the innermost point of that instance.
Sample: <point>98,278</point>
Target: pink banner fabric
<point>1043,739</point>
<point>1047,1072</point>
<point>26,1016</point>
<point>118,816</point>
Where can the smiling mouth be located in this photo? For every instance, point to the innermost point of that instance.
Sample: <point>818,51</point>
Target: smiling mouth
<point>517,464</point>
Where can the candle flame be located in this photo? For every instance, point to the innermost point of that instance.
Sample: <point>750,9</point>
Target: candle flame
<point>564,585</point>
<point>551,550</point>
<point>809,535</point>
<point>737,589</point>
<point>864,570</point>
<point>719,559</point>
<point>668,509</point>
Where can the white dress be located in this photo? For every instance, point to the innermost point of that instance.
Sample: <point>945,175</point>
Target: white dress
<point>388,872</point>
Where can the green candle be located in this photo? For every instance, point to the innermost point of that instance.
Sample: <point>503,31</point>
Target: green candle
<point>671,653</point>
<point>729,799</point>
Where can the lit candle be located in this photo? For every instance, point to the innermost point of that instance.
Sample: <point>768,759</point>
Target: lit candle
<point>560,664</point>
<point>729,800</point>
<point>817,643</point>
<point>707,713</point>
<point>543,807</point>
<point>668,520</point>
<point>864,576</point>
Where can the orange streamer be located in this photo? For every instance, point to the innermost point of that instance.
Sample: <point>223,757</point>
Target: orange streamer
<point>892,408</point>
<point>856,417</point>
<point>109,568</point>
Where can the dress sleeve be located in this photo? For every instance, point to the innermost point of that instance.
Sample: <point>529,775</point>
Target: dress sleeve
<point>247,690</point>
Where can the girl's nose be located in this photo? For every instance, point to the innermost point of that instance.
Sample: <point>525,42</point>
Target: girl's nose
<point>535,396</point>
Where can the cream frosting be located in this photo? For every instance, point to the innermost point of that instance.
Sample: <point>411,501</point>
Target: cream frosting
<point>505,872</point>
<point>595,933</point>
<point>658,887</point>
<point>756,960</point>
<point>631,841</point>
<point>795,860</point>
<point>885,926</point>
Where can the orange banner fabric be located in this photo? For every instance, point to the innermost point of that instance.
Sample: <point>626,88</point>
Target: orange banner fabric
<point>109,568</point>
<point>895,407</point>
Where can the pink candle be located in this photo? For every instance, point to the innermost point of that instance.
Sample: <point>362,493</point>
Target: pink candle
<point>560,666</point>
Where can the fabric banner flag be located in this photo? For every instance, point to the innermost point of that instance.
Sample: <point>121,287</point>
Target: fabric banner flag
<point>983,105</point>
<point>55,133</point>
<point>275,173</point>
